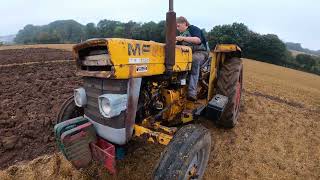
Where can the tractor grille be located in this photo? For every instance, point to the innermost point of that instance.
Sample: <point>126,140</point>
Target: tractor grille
<point>95,58</point>
<point>94,88</point>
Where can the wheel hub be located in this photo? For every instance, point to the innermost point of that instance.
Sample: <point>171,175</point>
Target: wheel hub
<point>195,167</point>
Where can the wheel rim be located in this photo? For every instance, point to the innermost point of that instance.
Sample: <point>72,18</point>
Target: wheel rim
<point>66,113</point>
<point>196,167</point>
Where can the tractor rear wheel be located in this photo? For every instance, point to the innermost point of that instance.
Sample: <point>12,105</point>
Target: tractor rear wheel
<point>69,110</point>
<point>230,84</point>
<point>187,154</point>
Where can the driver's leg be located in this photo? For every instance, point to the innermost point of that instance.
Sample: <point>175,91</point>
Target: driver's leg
<point>197,59</point>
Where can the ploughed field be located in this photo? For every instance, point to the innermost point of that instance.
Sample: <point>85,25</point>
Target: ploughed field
<point>277,135</point>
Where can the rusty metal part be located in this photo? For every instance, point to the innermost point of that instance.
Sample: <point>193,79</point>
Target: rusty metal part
<point>97,60</point>
<point>160,114</point>
<point>98,74</point>
<point>92,42</point>
<point>150,123</point>
<point>227,48</point>
<point>156,136</point>
<point>170,53</point>
<point>186,116</point>
<point>169,130</point>
<point>133,97</point>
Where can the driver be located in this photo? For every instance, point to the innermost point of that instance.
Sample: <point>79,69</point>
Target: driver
<point>193,37</point>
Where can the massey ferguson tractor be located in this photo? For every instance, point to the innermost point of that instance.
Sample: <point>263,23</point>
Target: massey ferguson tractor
<point>133,88</point>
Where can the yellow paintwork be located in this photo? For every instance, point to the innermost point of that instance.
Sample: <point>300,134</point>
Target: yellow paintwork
<point>127,58</point>
<point>152,57</point>
<point>156,125</point>
<point>187,116</point>
<point>169,130</point>
<point>227,48</point>
<point>150,139</point>
<point>216,58</point>
<point>158,136</point>
<point>174,100</point>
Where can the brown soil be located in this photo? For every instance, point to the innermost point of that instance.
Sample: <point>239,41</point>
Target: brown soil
<point>12,56</point>
<point>30,99</point>
<point>67,47</point>
<point>277,136</point>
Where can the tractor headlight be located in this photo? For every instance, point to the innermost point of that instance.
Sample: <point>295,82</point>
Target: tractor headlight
<point>111,105</point>
<point>80,97</point>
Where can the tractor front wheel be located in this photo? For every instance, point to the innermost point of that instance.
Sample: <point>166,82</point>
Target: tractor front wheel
<point>69,110</point>
<point>187,154</point>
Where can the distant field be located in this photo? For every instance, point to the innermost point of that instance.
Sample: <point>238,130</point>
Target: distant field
<point>283,82</point>
<point>52,46</point>
<point>295,53</point>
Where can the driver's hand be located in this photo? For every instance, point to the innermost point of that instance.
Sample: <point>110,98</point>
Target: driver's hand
<point>179,38</point>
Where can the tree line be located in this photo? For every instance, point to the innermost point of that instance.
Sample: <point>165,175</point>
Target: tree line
<point>267,47</point>
<point>70,31</point>
<point>262,47</point>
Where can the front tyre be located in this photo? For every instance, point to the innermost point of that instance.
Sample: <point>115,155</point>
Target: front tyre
<point>186,156</point>
<point>69,110</point>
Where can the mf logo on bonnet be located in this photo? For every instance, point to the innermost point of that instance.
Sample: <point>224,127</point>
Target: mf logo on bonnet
<point>137,49</point>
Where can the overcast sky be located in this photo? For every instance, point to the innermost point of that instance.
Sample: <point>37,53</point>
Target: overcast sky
<point>291,20</point>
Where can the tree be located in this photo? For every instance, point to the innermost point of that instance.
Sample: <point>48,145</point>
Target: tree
<point>65,31</point>
<point>27,34</point>
<point>91,31</point>
<point>106,28</point>
<point>267,48</point>
<point>237,33</point>
<point>306,60</point>
<point>272,49</point>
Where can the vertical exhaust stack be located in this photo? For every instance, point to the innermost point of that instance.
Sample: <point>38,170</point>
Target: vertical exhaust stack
<point>170,49</point>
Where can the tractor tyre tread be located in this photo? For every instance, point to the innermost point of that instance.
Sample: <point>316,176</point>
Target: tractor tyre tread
<point>172,163</point>
<point>231,71</point>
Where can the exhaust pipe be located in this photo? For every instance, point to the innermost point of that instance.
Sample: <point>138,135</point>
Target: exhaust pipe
<point>170,48</point>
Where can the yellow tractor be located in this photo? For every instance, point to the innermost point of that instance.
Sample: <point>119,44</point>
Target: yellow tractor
<point>138,88</point>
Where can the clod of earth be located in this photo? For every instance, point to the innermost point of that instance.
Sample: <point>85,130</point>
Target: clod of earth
<point>9,143</point>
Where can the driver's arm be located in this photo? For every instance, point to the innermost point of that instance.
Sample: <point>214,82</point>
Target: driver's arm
<point>193,40</point>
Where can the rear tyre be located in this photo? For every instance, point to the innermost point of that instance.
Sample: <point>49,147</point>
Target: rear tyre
<point>186,156</point>
<point>69,110</point>
<point>230,84</point>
